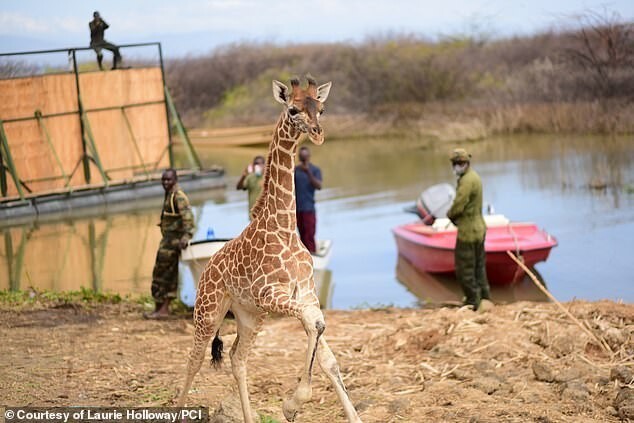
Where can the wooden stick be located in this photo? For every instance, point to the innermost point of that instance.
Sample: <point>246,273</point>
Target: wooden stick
<point>601,342</point>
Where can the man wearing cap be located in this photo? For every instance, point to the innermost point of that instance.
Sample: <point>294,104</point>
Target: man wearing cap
<point>466,214</point>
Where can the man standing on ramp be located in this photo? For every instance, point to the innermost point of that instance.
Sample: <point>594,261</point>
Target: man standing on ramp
<point>97,28</point>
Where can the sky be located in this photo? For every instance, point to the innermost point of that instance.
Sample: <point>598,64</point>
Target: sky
<point>193,27</point>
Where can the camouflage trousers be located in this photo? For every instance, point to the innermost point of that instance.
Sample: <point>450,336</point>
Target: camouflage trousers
<point>471,271</point>
<point>165,273</point>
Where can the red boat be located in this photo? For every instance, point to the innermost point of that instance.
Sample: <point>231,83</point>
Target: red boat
<point>431,248</point>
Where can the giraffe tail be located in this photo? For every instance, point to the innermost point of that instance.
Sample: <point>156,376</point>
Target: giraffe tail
<point>216,351</point>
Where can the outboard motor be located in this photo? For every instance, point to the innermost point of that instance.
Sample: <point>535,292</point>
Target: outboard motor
<point>434,202</point>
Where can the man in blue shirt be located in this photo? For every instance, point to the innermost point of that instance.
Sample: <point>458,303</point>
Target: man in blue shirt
<point>307,180</point>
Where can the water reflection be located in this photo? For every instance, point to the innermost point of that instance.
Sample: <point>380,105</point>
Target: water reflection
<point>114,253</point>
<point>445,289</point>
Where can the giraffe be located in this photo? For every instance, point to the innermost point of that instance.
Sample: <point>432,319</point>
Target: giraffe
<point>267,269</point>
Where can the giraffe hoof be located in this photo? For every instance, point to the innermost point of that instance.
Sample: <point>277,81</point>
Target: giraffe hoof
<point>289,410</point>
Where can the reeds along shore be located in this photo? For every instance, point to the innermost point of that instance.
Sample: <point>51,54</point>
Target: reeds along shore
<point>466,122</point>
<point>577,78</point>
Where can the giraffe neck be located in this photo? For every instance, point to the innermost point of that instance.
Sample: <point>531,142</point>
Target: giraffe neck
<point>277,203</point>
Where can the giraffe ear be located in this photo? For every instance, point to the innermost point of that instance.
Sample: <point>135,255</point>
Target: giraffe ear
<point>280,92</point>
<point>323,91</point>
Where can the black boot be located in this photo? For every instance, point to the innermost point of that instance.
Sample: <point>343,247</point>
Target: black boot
<point>116,62</point>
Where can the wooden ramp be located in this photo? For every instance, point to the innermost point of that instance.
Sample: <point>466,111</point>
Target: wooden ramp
<point>66,130</point>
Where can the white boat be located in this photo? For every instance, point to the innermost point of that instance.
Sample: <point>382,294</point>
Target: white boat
<point>198,253</point>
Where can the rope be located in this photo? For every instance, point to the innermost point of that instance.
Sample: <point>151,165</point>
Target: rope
<point>518,271</point>
<point>515,241</point>
<point>602,343</point>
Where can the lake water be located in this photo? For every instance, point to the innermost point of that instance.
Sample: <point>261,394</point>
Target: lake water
<point>367,183</point>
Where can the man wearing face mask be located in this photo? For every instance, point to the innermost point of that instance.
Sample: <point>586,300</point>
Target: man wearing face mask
<point>466,214</point>
<point>252,181</point>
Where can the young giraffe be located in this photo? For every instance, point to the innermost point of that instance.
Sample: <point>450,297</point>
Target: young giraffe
<point>267,268</point>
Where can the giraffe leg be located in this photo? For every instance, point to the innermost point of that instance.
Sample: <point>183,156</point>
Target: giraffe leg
<point>308,312</point>
<point>206,323</point>
<point>249,324</point>
<point>328,364</point>
<point>313,321</point>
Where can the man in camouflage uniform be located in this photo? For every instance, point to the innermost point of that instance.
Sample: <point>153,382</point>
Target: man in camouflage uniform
<point>177,228</point>
<point>466,214</point>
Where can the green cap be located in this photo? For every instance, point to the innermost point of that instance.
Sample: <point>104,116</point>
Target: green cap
<point>460,155</point>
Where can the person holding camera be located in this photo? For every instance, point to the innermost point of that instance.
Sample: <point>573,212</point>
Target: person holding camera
<point>252,181</point>
<point>97,42</point>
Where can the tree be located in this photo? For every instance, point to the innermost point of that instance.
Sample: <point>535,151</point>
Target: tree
<point>603,47</point>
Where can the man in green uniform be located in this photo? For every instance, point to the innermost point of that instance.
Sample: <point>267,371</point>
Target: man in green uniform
<point>466,214</point>
<point>252,180</point>
<point>97,42</point>
<point>177,229</point>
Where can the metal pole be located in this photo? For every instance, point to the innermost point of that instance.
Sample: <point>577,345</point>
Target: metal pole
<point>193,156</point>
<point>47,136</point>
<point>81,121</point>
<point>93,149</point>
<point>59,50</point>
<point>4,145</point>
<point>3,175</point>
<point>136,145</point>
<point>167,115</point>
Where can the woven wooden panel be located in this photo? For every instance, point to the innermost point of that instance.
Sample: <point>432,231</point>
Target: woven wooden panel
<point>21,97</point>
<point>33,156</point>
<point>118,88</point>
<point>51,94</point>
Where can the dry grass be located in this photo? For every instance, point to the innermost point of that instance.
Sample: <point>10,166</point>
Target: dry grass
<point>399,364</point>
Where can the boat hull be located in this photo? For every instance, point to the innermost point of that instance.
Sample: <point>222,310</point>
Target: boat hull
<point>433,251</point>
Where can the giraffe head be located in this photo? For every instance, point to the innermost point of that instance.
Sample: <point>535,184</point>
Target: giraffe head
<point>303,106</point>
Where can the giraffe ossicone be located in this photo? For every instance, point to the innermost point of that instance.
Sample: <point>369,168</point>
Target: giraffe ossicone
<point>267,268</point>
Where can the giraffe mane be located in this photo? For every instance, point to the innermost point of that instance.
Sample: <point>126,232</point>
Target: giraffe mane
<point>261,201</point>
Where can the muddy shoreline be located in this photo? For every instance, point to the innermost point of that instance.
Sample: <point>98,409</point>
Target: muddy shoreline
<point>519,362</point>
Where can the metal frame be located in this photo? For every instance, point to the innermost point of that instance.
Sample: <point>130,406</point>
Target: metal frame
<point>89,148</point>
<point>6,153</point>
<point>67,50</point>
<point>194,160</point>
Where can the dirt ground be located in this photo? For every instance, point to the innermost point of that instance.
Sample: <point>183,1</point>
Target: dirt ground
<point>520,362</point>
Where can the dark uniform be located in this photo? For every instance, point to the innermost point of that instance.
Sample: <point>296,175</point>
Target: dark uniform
<point>97,42</point>
<point>466,214</point>
<point>177,223</point>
